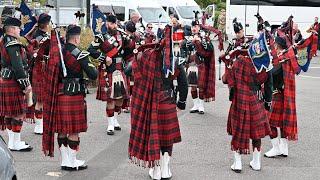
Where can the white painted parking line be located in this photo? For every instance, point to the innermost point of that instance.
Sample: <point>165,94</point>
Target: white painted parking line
<point>312,77</point>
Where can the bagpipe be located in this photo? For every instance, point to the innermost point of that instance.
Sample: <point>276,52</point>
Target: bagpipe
<point>209,29</point>
<point>301,52</point>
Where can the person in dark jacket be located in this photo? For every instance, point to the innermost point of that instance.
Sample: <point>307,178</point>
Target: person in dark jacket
<point>72,108</point>
<point>15,86</point>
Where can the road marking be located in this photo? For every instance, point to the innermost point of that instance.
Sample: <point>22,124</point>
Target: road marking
<point>54,174</point>
<point>316,67</point>
<point>312,77</point>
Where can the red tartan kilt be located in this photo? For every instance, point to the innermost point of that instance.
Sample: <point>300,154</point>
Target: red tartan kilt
<point>101,95</point>
<point>253,124</point>
<point>71,114</point>
<point>12,99</point>
<point>276,116</point>
<point>38,82</point>
<point>104,95</point>
<point>202,76</point>
<point>243,126</point>
<point>168,123</point>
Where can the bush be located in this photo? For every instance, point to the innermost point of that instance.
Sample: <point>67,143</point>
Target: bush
<point>87,37</point>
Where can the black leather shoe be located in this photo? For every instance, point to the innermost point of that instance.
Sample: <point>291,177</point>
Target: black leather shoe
<point>110,132</point>
<point>66,168</point>
<point>194,111</point>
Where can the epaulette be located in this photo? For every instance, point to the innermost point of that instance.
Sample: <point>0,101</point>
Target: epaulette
<point>13,43</point>
<point>79,54</point>
<point>99,36</point>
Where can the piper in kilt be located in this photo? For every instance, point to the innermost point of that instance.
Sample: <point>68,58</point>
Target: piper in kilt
<point>40,58</point>
<point>283,113</point>
<point>239,42</point>
<point>112,86</point>
<point>133,39</point>
<point>200,68</point>
<point>15,87</point>
<point>247,118</point>
<point>70,116</point>
<point>154,121</point>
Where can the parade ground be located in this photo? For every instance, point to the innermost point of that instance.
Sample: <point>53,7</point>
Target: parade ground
<point>203,154</point>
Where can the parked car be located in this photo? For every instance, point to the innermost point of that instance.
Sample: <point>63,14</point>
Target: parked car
<point>7,167</point>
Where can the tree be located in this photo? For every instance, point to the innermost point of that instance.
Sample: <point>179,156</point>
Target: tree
<point>205,3</point>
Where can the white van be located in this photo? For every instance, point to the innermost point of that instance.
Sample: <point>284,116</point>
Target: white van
<point>182,10</point>
<point>148,10</point>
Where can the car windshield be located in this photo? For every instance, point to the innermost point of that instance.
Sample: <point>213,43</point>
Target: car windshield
<point>186,12</point>
<point>151,15</point>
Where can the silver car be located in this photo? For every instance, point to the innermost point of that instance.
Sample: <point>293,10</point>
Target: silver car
<point>7,168</point>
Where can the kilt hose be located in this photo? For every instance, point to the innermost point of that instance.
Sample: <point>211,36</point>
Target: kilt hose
<point>276,115</point>
<point>104,87</point>
<point>12,99</point>
<point>38,81</point>
<point>168,123</point>
<point>30,112</point>
<point>11,124</point>
<point>71,114</point>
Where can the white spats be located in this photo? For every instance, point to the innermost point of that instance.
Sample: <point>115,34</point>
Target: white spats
<point>165,166</point>
<point>16,144</point>
<point>74,162</point>
<point>284,149</point>
<point>275,150</point>
<point>195,108</point>
<point>255,164</point>
<point>65,162</point>
<point>201,106</point>
<point>11,139</point>
<point>38,128</point>
<point>110,129</point>
<point>237,164</point>
<point>117,126</point>
<point>155,173</point>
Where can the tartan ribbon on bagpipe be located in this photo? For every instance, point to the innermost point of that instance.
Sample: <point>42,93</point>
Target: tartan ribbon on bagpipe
<point>168,58</point>
<point>50,94</point>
